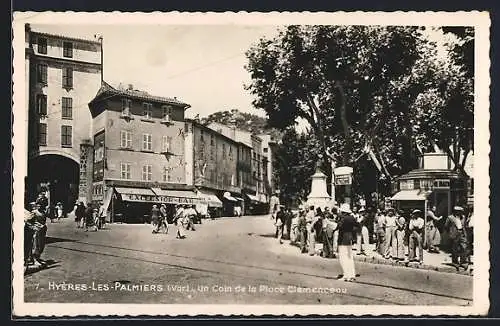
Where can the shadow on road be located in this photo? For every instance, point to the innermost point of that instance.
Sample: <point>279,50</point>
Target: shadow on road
<point>49,240</point>
<point>49,264</point>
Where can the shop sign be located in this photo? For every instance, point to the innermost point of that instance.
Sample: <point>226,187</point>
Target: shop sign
<point>406,184</point>
<point>163,199</point>
<point>442,184</point>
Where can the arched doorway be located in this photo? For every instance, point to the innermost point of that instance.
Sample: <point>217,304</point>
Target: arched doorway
<point>56,174</point>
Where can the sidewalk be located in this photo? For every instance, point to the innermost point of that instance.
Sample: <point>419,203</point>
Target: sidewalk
<point>432,261</point>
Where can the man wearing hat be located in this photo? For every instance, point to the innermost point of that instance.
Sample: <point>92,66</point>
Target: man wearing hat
<point>390,233</point>
<point>347,227</point>
<point>416,228</point>
<point>155,218</point>
<point>456,233</point>
<point>362,237</point>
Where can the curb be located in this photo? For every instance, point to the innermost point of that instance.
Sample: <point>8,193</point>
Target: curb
<point>444,269</point>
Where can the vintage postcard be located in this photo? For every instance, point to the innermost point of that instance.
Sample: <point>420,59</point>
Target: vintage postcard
<point>190,164</point>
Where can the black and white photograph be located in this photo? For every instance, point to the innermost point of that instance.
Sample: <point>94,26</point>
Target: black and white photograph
<point>251,163</point>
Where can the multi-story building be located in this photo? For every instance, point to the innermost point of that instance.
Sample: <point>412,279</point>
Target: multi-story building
<point>213,166</point>
<point>268,151</point>
<point>62,75</point>
<point>137,157</point>
<point>253,186</point>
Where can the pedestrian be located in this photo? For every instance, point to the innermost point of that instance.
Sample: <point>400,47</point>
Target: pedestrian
<point>294,236</point>
<point>416,227</point>
<point>102,215</point>
<point>280,223</point>
<point>163,218</point>
<point>79,213</point>
<point>59,211</point>
<point>155,218</point>
<point>288,222</point>
<point>380,232</point>
<point>39,239</point>
<point>399,239</point>
<point>432,234</point>
<point>362,236</point>
<point>390,233</point>
<point>190,214</point>
<point>43,203</point>
<point>456,233</point>
<point>179,221</point>
<point>89,217</point>
<point>302,230</point>
<point>311,235</point>
<point>329,228</point>
<point>347,228</point>
<point>32,225</point>
<point>470,234</point>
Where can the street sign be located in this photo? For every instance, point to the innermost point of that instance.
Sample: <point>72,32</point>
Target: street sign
<point>342,180</point>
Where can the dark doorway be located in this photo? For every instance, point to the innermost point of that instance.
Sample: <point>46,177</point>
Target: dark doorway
<point>56,174</point>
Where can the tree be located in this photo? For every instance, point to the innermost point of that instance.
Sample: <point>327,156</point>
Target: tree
<point>445,109</point>
<point>295,162</point>
<point>336,78</point>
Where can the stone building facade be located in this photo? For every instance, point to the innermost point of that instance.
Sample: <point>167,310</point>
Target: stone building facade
<point>62,76</point>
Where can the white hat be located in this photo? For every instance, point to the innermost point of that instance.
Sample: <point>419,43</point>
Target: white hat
<point>458,209</point>
<point>346,208</point>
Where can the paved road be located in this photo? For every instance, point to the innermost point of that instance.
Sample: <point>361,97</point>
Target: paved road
<point>229,260</point>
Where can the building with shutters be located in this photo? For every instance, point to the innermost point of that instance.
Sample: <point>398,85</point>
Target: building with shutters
<point>213,166</point>
<point>137,153</point>
<point>62,75</point>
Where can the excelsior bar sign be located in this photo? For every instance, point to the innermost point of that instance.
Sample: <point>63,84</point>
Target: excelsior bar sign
<point>163,199</point>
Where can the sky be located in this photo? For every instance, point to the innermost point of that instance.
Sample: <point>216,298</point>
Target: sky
<point>200,65</point>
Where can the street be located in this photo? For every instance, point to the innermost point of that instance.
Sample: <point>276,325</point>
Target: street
<point>225,261</point>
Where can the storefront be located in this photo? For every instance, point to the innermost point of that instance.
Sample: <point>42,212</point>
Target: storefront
<point>256,204</point>
<point>436,190</point>
<point>212,206</point>
<point>133,205</point>
<point>232,204</point>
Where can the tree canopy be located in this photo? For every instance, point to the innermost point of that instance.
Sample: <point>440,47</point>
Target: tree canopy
<point>389,89</point>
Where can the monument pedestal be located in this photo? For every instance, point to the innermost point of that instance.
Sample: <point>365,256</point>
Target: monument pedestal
<point>318,197</point>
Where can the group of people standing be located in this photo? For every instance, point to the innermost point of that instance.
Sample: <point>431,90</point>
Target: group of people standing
<point>92,215</point>
<point>392,231</point>
<point>183,217</point>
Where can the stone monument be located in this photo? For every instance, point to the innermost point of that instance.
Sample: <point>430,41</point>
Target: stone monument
<point>318,197</point>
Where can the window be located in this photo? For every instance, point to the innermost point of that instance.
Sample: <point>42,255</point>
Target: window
<point>126,104</point>
<point>42,134</point>
<point>67,77</point>
<point>42,45</point>
<point>230,152</point>
<point>166,177</point>
<point>223,151</point>
<point>41,104</point>
<point>166,144</point>
<point>212,154</point>
<point>147,110</point>
<point>67,49</point>
<point>125,139</point>
<point>265,149</point>
<point>146,173</point>
<point>66,135</point>
<point>67,108</point>
<point>147,142</point>
<point>212,141</point>
<point>125,170</point>
<point>166,112</point>
<point>41,73</point>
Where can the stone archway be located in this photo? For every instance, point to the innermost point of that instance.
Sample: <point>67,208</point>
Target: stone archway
<point>56,174</point>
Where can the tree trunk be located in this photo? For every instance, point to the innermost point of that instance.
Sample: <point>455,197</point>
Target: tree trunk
<point>345,124</point>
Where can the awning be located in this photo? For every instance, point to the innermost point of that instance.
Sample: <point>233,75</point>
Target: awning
<point>405,195</point>
<point>137,194</point>
<point>252,197</point>
<point>211,199</point>
<point>178,197</point>
<point>255,198</point>
<point>228,196</point>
